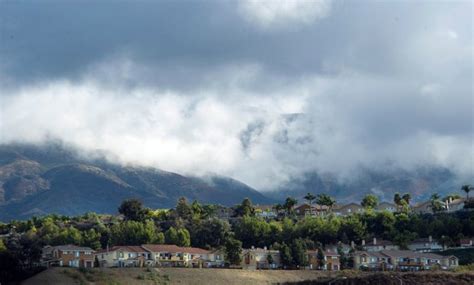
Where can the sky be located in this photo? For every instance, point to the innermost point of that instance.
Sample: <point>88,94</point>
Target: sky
<point>262,91</point>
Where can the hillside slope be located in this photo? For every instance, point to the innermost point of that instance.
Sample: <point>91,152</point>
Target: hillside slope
<point>52,179</point>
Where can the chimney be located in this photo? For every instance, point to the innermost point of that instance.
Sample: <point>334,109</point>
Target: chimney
<point>430,239</point>
<point>265,248</point>
<point>375,241</point>
<point>352,244</point>
<point>253,247</point>
<point>363,242</point>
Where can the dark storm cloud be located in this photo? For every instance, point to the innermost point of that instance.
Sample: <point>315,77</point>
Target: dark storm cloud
<point>259,90</point>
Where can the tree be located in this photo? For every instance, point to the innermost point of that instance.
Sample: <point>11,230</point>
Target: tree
<point>320,257</point>
<point>210,233</point>
<point>233,249</point>
<point>289,204</point>
<point>133,233</point>
<point>370,201</point>
<point>171,236</point>
<point>309,197</point>
<point>91,238</point>
<point>183,238</point>
<point>133,210</point>
<point>270,259</point>
<point>436,204</point>
<point>244,209</point>
<point>183,210</point>
<point>325,200</point>
<point>2,246</point>
<point>467,189</point>
<point>397,199</point>
<point>285,255</point>
<point>298,253</point>
<point>407,197</point>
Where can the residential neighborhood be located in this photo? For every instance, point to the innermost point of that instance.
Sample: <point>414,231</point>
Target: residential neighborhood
<point>377,255</point>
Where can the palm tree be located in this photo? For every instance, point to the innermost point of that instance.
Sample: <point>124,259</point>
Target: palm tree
<point>289,204</point>
<point>397,200</point>
<point>310,197</point>
<point>436,203</point>
<point>326,200</point>
<point>407,198</point>
<point>467,188</point>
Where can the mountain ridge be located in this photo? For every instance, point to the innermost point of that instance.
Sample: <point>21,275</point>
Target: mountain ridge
<point>41,180</point>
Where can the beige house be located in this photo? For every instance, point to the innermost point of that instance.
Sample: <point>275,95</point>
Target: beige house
<point>425,245</point>
<point>349,209</point>
<point>379,245</point>
<point>124,256</point>
<point>423,208</point>
<point>386,206</point>
<point>168,255</point>
<point>305,210</point>
<point>403,260</point>
<point>332,260</point>
<point>260,258</point>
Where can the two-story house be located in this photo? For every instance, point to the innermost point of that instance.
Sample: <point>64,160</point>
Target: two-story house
<point>68,255</point>
<point>124,256</point>
<point>378,245</point>
<point>425,245</point>
<point>260,258</point>
<point>403,260</point>
<point>349,209</point>
<point>331,262</point>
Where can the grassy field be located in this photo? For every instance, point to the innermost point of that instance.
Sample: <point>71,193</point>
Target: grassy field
<point>114,276</point>
<point>171,276</point>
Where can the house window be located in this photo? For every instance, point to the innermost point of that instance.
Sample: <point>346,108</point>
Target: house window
<point>77,253</point>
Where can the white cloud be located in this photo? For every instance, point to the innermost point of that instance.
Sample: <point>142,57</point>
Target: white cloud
<point>309,125</point>
<point>268,13</point>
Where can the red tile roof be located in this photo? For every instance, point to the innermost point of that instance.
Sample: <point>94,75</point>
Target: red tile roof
<point>128,248</point>
<point>174,248</point>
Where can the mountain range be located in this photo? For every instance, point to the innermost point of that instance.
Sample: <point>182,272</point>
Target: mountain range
<point>53,178</point>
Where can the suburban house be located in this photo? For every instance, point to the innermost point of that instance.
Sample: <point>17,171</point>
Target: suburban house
<point>349,209</point>
<point>403,260</point>
<point>68,255</point>
<point>453,205</point>
<point>386,206</point>
<point>425,245</point>
<point>224,213</point>
<point>372,261</point>
<point>310,210</point>
<point>378,245</point>
<point>422,208</point>
<point>168,255</point>
<point>332,260</point>
<point>260,258</point>
<point>124,256</point>
<point>265,211</point>
<point>345,248</point>
<point>466,242</point>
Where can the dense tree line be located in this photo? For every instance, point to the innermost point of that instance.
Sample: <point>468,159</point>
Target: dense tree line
<point>193,224</point>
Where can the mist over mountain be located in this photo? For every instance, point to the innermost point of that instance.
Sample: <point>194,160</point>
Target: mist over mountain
<point>38,180</point>
<point>420,183</point>
<point>54,178</point>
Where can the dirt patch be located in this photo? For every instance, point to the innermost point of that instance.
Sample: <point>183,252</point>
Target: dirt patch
<point>171,276</point>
